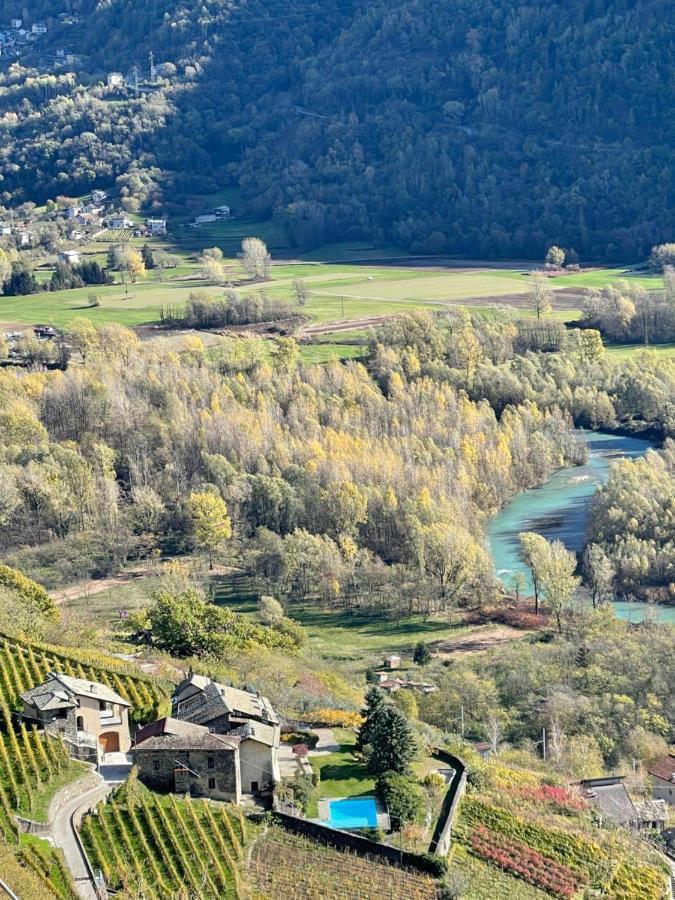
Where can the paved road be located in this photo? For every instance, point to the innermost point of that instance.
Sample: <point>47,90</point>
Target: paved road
<point>114,772</point>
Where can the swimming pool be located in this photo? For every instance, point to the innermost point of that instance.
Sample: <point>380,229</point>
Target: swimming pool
<point>353,812</point>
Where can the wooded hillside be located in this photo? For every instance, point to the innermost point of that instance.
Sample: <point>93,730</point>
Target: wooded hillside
<point>489,129</point>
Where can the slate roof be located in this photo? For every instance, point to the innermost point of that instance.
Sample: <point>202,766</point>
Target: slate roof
<point>610,796</point>
<point>198,738</point>
<point>652,810</point>
<point>218,699</point>
<point>257,731</point>
<point>59,691</point>
<point>664,768</point>
<point>167,726</point>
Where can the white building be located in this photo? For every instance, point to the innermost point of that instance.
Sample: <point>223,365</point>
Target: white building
<point>205,219</point>
<point>5,229</point>
<point>115,80</point>
<point>39,28</point>
<point>223,212</point>
<point>119,221</point>
<point>72,257</point>
<point>156,226</point>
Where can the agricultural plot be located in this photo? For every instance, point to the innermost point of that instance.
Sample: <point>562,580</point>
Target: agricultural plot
<point>156,846</point>
<point>283,864</point>
<point>115,235</point>
<point>551,858</point>
<point>33,870</point>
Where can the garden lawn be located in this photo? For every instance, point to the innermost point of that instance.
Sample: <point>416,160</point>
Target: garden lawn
<point>341,774</point>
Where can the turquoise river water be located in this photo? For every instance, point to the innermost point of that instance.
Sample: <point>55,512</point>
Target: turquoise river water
<point>560,510</point>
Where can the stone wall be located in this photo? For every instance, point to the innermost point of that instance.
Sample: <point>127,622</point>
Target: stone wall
<point>361,845</point>
<point>440,841</point>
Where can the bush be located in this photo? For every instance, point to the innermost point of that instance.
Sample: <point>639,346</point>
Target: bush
<point>30,591</point>
<point>404,798</point>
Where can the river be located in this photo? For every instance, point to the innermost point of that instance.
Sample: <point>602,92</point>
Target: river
<point>560,510</point>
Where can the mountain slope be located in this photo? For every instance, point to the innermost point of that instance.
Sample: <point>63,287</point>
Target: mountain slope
<point>491,128</point>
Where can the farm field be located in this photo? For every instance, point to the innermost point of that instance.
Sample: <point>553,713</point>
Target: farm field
<point>624,351</point>
<point>338,290</point>
<point>283,864</point>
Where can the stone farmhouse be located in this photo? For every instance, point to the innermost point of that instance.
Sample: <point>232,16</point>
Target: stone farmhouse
<point>92,719</point>
<point>220,742</point>
<point>188,759</point>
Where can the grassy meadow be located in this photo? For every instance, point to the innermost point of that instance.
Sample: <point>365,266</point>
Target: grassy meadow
<point>346,284</point>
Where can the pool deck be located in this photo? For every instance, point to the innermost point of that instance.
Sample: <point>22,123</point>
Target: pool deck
<point>324,812</point>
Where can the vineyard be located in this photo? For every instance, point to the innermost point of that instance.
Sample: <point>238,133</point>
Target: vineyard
<point>24,664</point>
<point>115,235</point>
<point>553,859</point>
<point>283,864</point>
<point>28,759</point>
<point>157,846</point>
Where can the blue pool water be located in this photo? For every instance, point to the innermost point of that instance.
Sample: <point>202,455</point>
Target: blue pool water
<point>356,812</point>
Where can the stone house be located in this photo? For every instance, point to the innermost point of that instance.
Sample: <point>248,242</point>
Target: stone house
<point>188,759</point>
<point>392,662</point>
<point>240,715</point>
<point>92,719</point>
<point>663,779</point>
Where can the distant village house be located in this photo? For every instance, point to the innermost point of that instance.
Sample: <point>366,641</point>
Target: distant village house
<point>663,779</point>
<point>156,227</point>
<point>72,257</point>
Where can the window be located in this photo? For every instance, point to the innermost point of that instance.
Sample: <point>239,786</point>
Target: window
<point>155,765</point>
<point>104,706</point>
<point>80,723</point>
<point>211,763</point>
<point>212,784</point>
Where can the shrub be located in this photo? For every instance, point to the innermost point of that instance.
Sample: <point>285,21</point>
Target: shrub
<point>30,591</point>
<point>332,718</point>
<point>403,797</point>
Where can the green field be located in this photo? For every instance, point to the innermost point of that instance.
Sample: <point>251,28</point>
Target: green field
<point>624,351</point>
<point>338,290</point>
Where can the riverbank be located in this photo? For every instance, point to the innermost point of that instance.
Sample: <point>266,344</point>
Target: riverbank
<point>560,510</point>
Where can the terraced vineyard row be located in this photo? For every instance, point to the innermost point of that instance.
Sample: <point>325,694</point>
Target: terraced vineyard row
<point>283,864</point>
<point>157,846</point>
<point>24,664</point>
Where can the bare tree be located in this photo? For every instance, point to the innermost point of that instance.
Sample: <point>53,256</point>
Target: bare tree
<point>541,295</point>
<point>256,258</point>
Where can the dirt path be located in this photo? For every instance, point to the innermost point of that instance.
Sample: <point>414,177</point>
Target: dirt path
<point>143,570</point>
<point>480,640</point>
<point>96,585</point>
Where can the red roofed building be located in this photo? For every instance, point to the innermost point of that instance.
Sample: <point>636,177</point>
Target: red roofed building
<point>663,779</point>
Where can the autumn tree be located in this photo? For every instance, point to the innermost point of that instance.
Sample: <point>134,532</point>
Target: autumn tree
<point>83,337</point>
<point>532,550</point>
<point>555,257</point>
<point>541,296</point>
<point>599,573</point>
<point>256,258</point>
<point>557,580</point>
<point>301,292</point>
<point>211,525</point>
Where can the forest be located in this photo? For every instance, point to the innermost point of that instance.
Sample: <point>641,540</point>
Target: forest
<point>441,128</point>
<point>361,486</point>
